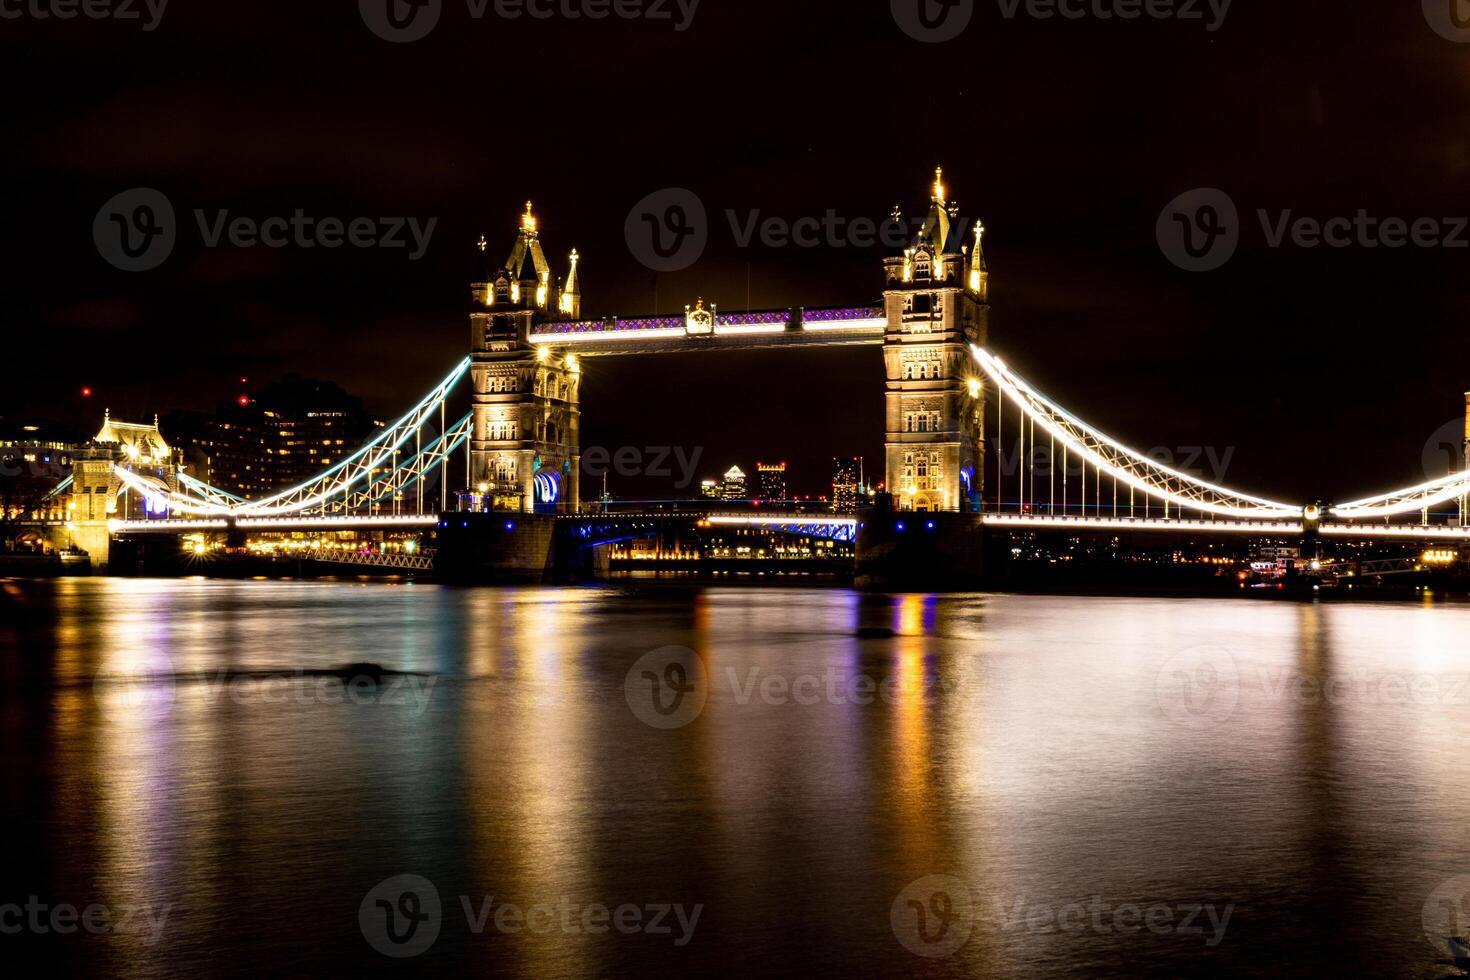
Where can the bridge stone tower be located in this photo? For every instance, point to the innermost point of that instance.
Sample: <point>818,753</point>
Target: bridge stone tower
<point>937,303</point>
<point>525,451</point>
<point>95,486</point>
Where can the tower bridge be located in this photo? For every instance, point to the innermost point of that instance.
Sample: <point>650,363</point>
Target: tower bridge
<point>968,442</point>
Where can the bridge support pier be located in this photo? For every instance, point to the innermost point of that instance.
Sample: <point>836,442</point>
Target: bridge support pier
<point>507,548</point>
<point>907,551</point>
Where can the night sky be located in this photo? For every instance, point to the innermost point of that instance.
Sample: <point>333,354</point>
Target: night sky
<point>1326,368</point>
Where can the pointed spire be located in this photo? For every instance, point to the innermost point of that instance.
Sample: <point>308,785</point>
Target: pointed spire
<point>935,232</point>
<point>979,273</point>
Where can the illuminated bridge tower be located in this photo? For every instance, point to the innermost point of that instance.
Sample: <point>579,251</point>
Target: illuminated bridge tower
<point>937,304</point>
<point>525,451</point>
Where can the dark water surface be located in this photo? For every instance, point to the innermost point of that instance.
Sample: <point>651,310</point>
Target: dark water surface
<point>960,786</point>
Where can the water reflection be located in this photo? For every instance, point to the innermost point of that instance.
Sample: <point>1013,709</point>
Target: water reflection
<point>850,745</point>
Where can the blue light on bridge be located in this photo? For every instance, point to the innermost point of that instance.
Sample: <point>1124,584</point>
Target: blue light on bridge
<point>510,525</point>
<point>900,527</point>
<point>930,525</point>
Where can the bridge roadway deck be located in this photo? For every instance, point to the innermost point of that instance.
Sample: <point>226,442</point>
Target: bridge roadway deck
<point>1039,522</point>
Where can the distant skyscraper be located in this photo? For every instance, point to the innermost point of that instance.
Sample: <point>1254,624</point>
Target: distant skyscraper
<point>847,478</point>
<point>733,486</point>
<point>771,481</point>
<point>292,430</point>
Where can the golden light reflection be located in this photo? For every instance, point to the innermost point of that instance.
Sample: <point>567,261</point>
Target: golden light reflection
<point>914,803</point>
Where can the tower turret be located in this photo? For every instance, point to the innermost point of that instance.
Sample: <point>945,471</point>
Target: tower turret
<point>936,305</point>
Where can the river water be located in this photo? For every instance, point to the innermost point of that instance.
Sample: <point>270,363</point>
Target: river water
<point>624,781</point>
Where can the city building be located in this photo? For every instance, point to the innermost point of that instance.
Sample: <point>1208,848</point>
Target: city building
<point>710,489</point>
<point>847,484</point>
<point>279,438</point>
<point>35,456</point>
<point>771,482</point>
<point>734,486</point>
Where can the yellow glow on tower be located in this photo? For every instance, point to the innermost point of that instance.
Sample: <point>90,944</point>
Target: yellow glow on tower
<point>528,220</point>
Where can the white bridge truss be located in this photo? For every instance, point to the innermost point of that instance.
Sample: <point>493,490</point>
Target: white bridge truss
<point>1127,467</point>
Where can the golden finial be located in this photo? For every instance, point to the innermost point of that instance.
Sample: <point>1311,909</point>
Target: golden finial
<point>939,184</point>
<point>528,220</point>
<point>481,244</point>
